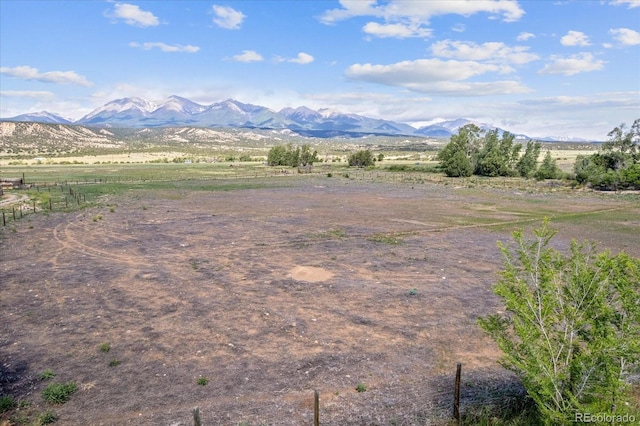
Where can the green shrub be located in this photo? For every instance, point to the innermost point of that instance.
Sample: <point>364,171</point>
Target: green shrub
<point>571,330</point>
<point>58,393</point>
<point>105,347</point>
<point>361,387</point>
<point>6,403</point>
<point>202,381</point>
<point>47,374</point>
<point>47,417</point>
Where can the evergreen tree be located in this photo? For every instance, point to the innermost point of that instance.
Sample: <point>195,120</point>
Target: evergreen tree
<point>549,168</point>
<point>571,330</point>
<point>458,165</point>
<point>527,164</point>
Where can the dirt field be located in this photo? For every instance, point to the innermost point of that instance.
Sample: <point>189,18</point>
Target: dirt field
<point>270,293</point>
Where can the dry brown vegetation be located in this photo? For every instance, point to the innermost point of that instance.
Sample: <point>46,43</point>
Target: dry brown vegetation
<point>270,293</point>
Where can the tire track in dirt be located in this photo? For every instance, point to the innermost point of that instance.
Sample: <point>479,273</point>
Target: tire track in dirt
<point>69,240</point>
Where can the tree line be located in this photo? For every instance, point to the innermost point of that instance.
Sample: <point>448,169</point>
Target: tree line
<point>474,151</point>
<point>616,165</point>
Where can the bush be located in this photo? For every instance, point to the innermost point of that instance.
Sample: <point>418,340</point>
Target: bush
<point>571,330</point>
<point>362,158</point>
<point>6,403</point>
<point>548,169</point>
<point>616,165</point>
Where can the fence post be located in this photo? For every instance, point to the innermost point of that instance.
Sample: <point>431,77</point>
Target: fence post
<point>316,408</point>
<point>13,210</point>
<point>34,206</point>
<point>4,222</point>
<point>196,417</point>
<point>50,205</point>
<point>456,393</point>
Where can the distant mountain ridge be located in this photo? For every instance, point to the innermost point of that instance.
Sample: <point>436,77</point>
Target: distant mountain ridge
<point>177,111</point>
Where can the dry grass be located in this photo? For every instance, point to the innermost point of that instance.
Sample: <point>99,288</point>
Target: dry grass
<point>291,291</point>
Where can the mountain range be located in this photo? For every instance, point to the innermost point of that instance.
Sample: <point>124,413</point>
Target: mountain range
<point>181,112</point>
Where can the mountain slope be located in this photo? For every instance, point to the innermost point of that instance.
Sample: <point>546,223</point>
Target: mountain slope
<point>176,111</point>
<point>42,117</point>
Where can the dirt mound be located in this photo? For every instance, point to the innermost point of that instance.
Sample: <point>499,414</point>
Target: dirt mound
<point>310,274</point>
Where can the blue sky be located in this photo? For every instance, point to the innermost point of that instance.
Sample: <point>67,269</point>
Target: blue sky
<point>543,68</point>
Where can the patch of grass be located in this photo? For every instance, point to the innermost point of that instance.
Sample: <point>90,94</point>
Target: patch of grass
<point>361,387</point>
<point>97,217</point>
<point>6,403</point>
<point>46,418</point>
<point>114,362</point>
<point>516,413</point>
<point>412,292</point>
<point>20,419</point>
<point>202,381</point>
<point>59,393</point>
<point>46,374</point>
<point>385,239</point>
<point>105,347</point>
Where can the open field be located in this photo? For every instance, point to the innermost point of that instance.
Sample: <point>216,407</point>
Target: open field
<point>269,287</point>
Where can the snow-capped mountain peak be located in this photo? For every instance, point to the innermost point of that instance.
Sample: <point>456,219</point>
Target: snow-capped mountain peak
<point>301,114</point>
<point>326,122</point>
<point>42,117</point>
<point>136,105</point>
<point>178,104</point>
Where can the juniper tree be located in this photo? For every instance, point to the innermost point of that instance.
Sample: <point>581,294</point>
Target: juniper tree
<point>571,330</point>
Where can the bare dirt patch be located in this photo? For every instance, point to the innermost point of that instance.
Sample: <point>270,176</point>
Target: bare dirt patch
<point>269,294</point>
<point>310,274</point>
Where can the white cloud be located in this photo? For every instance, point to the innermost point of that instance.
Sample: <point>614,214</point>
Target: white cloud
<point>57,77</point>
<point>495,52</point>
<point>302,58</point>
<point>165,47</point>
<point>575,38</point>
<point>459,28</point>
<point>133,15</point>
<point>398,30</point>
<point>420,11</point>
<point>32,94</point>
<point>248,56</point>
<point>631,3</point>
<point>626,36</point>
<point>525,36</point>
<point>575,64</point>
<point>227,17</point>
<point>436,76</point>
<point>620,100</point>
